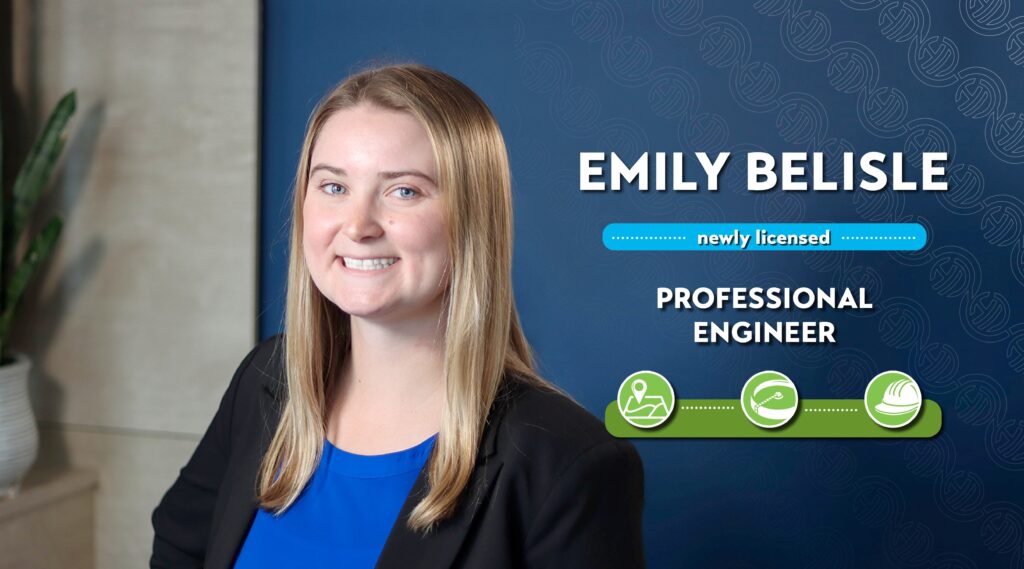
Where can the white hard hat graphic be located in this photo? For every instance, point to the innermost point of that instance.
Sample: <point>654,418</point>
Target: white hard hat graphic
<point>900,397</point>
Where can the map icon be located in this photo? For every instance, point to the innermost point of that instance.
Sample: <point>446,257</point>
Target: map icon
<point>646,399</point>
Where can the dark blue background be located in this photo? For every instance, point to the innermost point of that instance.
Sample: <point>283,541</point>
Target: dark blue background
<point>564,77</point>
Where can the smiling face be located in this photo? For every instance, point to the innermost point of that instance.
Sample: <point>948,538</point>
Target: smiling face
<point>374,227</point>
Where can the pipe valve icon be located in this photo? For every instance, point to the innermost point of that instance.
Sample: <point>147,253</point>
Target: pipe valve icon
<point>769,399</point>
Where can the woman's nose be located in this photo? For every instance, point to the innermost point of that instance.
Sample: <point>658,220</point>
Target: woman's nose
<point>361,220</point>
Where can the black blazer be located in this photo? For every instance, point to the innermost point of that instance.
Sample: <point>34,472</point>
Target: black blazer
<point>551,487</point>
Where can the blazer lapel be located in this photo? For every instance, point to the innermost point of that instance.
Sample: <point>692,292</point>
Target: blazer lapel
<point>239,511</point>
<point>438,549</point>
<point>405,548</point>
<point>240,483</point>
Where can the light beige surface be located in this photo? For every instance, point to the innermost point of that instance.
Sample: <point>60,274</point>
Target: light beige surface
<point>134,472</point>
<point>149,303</point>
<point>44,487</point>
<point>51,523</point>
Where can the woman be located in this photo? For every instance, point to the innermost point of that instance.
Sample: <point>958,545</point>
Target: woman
<point>399,421</point>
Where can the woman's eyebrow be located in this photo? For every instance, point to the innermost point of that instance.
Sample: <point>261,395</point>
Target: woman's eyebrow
<point>331,169</point>
<point>400,173</point>
<point>384,175</point>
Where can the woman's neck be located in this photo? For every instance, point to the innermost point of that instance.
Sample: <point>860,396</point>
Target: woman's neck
<point>392,386</point>
<point>398,361</point>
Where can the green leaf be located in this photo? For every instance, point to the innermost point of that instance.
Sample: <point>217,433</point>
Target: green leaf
<point>38,251</point>
<point>34,176</point>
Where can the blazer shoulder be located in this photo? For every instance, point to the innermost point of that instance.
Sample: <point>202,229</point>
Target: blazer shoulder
<point>262,368</point>
<point>268,359</point>
<point>548,428</point>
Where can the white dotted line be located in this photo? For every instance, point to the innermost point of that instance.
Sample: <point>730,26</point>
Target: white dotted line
<point>880,238</point>
<point>707,407</point>
<point>647,237</point>
<point>834,410</point>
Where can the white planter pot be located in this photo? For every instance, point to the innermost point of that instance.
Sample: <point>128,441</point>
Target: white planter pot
<point>19,435</point>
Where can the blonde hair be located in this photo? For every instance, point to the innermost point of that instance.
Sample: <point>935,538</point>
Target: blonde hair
<point>483,341</point>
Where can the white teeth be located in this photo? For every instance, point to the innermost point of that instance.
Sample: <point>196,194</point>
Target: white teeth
<point>369,264</point>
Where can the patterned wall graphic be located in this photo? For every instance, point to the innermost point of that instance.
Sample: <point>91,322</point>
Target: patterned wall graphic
<point>571,76</point>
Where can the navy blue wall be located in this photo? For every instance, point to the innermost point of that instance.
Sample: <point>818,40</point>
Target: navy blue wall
<point>564,77</point>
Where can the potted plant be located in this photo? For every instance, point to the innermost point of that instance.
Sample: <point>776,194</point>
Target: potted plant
<point>19,435</point>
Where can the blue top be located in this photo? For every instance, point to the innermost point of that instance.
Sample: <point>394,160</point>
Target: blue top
<point>342,517</point>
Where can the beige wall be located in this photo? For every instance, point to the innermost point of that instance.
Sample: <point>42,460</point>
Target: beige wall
<point>150,300</point>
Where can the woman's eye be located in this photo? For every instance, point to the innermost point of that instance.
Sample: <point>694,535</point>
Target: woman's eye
<point>406,193</point>
<point>332,188</point>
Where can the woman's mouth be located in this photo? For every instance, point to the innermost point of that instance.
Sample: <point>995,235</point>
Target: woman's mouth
<point>374,264</point>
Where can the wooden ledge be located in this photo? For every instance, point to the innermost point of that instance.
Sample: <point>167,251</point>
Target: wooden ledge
<point>43,487</point>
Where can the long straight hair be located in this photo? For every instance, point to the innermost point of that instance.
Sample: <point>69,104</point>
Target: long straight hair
<point>483,340</point>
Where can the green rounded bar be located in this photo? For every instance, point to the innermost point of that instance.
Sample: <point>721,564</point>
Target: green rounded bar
<point>815,419</point>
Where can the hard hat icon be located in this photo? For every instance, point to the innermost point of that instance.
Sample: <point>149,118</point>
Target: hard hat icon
<point>893,399</point>
<point>900,397</point>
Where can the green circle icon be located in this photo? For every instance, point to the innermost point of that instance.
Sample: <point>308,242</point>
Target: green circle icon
<point>892,399</point>
<point>769,399</point>
<point>646,399</point>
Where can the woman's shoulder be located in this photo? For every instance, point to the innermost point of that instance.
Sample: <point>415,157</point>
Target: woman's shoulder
<point>542,426</point>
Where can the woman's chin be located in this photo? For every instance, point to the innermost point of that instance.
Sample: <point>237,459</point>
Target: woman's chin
<point>362,310</point>
<point>383,313</point>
